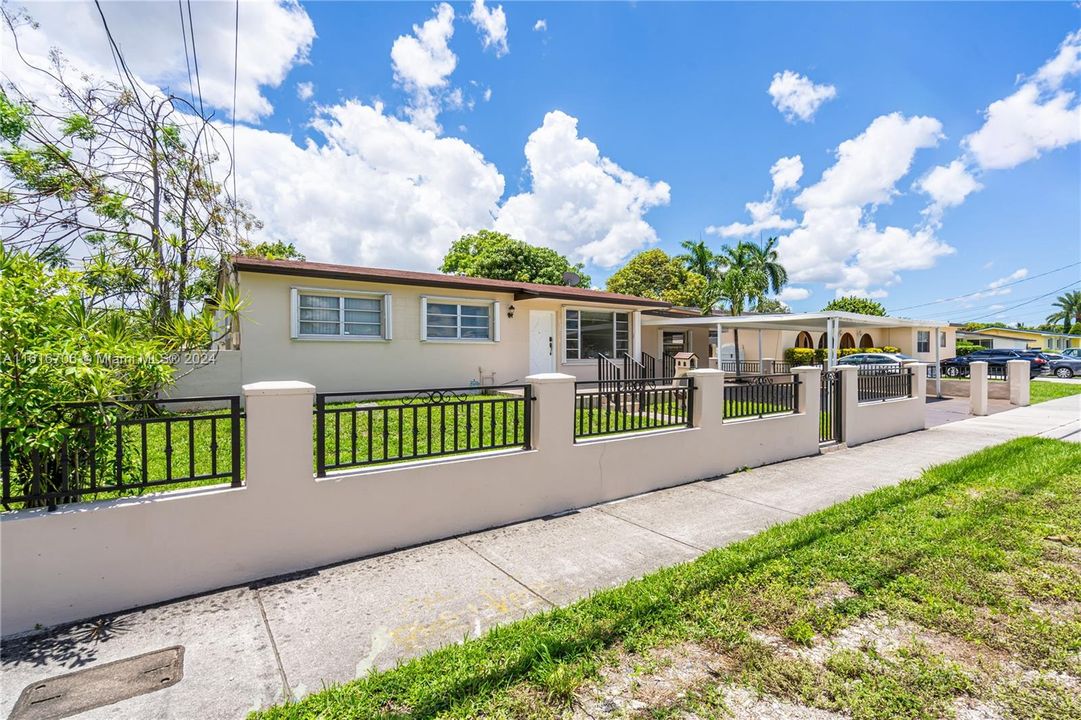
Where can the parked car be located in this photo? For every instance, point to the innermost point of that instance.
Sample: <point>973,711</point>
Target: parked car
<point>874,359</point>
<point>996,360</point>
<point>1066,367</point>
<point>1072,353</point>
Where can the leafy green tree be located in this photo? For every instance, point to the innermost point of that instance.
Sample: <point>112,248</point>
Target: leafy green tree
<point>277,250</point>
<point>1068,310</point>
<point>699,259</point>
<point>498,256</point>
<point>118,176</point>
<point>771,305</point>
<point>765,259</point>
<point>651,273</point>
<point>855,304</point>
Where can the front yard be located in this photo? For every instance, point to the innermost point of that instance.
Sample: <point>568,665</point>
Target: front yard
<point>1043,391</point>
<point>955,592</point>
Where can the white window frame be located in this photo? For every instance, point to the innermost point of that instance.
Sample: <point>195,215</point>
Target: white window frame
<point>590,361</point>
<point>386,316</point>
<point>493,314</point>
<point>928,334</point>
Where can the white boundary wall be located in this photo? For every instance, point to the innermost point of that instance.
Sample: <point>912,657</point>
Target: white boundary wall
<point>93,558</point>
<point>865,422</point>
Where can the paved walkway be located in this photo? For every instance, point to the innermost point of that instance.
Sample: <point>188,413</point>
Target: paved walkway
<point>253,646</point>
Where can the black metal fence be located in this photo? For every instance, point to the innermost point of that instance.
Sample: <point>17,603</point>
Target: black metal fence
<point>608,371</point>
<point>357,429</point>
<point>761,395</point>
<point>610,407</point>
<point>744,366</point>
<point>113,449</point>
<point>997,372</point>
<point>831,403</point>
<point>877,383</point>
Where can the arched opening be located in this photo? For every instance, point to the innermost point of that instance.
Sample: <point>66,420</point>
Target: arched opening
<point>847,341</point>
<point>822,342</point>
<point>866,341</point>
<point>803,340</point>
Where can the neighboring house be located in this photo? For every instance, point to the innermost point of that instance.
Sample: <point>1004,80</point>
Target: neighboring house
<point>345,328</point>
<point>1018,339</point>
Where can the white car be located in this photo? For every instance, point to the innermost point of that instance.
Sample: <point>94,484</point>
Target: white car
<point>887,362</point>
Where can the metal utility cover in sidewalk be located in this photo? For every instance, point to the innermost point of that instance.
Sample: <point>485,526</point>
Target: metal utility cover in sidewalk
<point>83,690</point>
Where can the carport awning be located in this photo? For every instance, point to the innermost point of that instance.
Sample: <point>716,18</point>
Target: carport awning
<point>786,321</point>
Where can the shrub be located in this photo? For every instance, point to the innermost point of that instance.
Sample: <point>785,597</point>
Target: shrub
<point>890,349</point>
<point>805,356</point>
<point>964,348</point>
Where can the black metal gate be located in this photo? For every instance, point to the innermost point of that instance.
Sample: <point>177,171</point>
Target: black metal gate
<point>829,418</point>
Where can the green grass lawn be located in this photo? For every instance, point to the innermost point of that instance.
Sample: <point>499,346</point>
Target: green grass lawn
<point>978,561</point>
<point>1043,391</point>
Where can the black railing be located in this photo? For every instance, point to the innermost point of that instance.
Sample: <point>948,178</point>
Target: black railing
<point>635,370</point>
<point>114,449</point>
<point>623,406</point>
<point>761,395</point>
<point>877,383</point>
<point>608,371</point>
<point>668,362</point>
<point>744,366</point>
<point>649,366</point>
<point>830,404</point>
<point>997,372</point>
<point>358,429</point>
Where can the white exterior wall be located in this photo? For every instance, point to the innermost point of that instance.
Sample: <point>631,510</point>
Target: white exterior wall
<point>92,558</point>
<point>864,422</point>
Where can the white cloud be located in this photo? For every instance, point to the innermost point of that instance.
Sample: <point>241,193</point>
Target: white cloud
<point>995,287</point>
<point>492,25</point>
<point>790,294</point>
<point>786,174</point>
<point>378,191</point>
<point>837,241</point>
<point>305,90</point>
<point>1019,274</point>
<point>948,185</point>
<point>487,94</point>
<point>423,62</point>
<point>581,203</point>
<point>540,26</point>
<point>1063,65</point>
<point>274,37</point>
<point>797,97</point>
<point>1038,117</point>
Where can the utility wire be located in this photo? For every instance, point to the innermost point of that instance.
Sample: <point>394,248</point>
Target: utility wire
<point>232,149</point>
<point>187,58</point>
<point>1027,302</point>
<point>195,57</point>
<point>978,292</point>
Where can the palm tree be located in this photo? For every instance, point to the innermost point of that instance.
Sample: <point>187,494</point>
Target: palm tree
<point>743,279</point>
<point>1069,310</point>
<point>764,258</point>
<point>699,258</point>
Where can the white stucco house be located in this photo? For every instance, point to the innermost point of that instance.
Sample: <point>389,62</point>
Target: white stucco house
<point>345,328</point>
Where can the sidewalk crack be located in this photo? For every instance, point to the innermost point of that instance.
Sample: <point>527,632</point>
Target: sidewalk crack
<point>753,502</point>
<point>491,562</point>
<point>601,509</point>
<point>286,689</point>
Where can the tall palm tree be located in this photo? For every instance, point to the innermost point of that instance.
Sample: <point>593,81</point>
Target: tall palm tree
<point>742,280</point>
<point>1068,310</point>
<point>699,258</point>
<point>764,259</point>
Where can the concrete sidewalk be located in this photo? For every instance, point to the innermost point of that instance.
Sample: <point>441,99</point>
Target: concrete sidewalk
<point>250,647</point>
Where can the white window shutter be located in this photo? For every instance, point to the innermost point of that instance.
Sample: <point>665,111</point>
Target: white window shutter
<point>294,313</point>
<point>388,318</point>
<point>423,318</point>
<point>495,322</point>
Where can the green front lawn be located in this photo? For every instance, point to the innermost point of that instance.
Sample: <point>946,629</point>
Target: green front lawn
<point>1042,391</point>
<point>977,562</point>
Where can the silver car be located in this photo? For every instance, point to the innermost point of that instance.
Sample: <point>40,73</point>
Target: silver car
<point>876,362</point>
<point>1066,367</point>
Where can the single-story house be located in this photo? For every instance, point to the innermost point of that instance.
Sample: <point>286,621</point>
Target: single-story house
<point>345,328</point>
<point>1018,339</point>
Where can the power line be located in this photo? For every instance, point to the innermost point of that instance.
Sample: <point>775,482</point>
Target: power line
<point>187,59</point>
<point>1027,302</point>
<point>195,57</point>
<point>232,149</point>
<point>978,292</point>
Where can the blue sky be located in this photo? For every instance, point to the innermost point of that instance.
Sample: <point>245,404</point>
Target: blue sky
<point>675,98</point>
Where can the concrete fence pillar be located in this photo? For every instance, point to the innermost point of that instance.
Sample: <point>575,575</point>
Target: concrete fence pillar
<point>708,398</point>
<point>552,424</point>
<point>977,387</point>
<point>810,390</point>
<point>766,367</point>
<point>1017,374</point>
<point>850,400</point>
<point>278,436</point>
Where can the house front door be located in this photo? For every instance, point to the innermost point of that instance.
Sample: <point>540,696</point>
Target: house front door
<point>542,341</point>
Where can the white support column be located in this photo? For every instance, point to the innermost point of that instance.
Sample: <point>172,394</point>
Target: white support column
<point>1019,378</point>
<point>278,436</point>
<point>708,398</point>
<point>831,342</point>
<point>760,345</point>
<point>720,343</point>
<point>977,387</point>
<point>938,361</point>
<point>636,335</point>
<point>810,395</point>
<point>552,424</point>
<point>850,400</point>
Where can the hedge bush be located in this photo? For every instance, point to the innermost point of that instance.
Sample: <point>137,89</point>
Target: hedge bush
<point>964,348</point>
